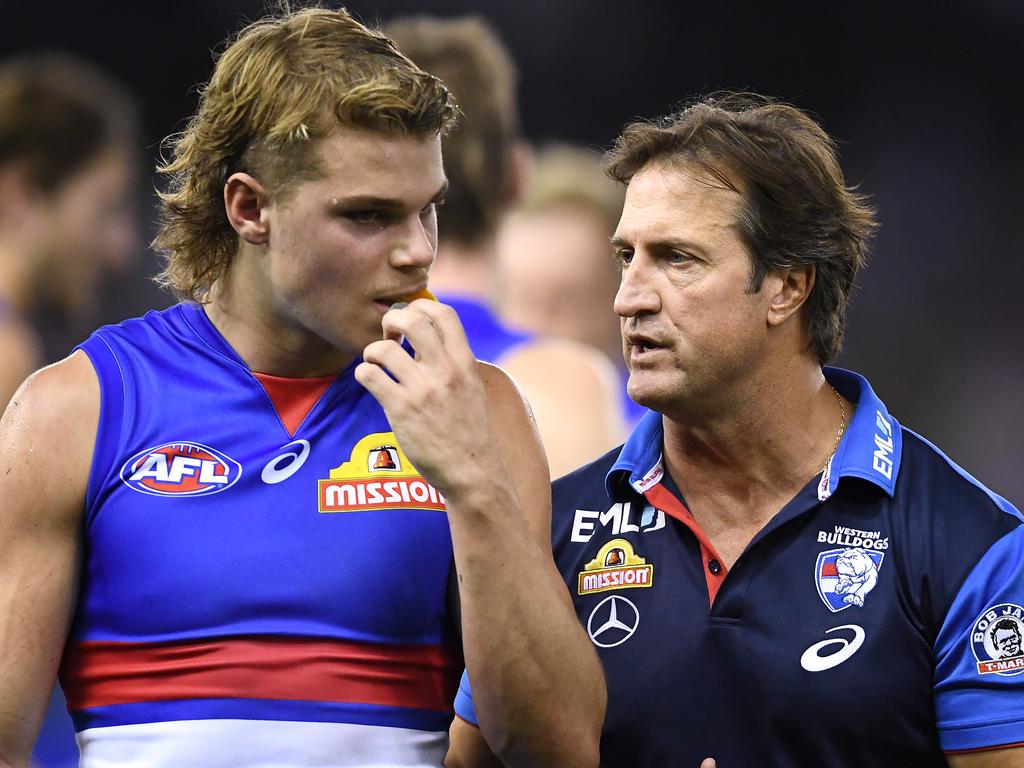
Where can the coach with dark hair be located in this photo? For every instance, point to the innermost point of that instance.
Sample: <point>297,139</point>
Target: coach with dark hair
<point>764,488</point>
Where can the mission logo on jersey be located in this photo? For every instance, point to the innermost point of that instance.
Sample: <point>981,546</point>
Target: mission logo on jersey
<point>616,566</point>
<point>180,468</point>
<point>377,476</point>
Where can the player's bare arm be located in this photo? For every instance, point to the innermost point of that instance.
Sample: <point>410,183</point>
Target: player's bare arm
<point>46,443</point>
<point>994,758</point>
<point>537,686</point>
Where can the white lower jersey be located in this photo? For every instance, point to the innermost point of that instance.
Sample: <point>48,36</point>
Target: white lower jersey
<point>259,744</point>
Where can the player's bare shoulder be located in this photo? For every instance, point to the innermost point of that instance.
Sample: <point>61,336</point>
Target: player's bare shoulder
<point>21,356</point>
<point>508,405</point>
<point>49,429</point>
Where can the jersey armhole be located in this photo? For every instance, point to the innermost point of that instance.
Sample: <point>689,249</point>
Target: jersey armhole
<point>109,430</point>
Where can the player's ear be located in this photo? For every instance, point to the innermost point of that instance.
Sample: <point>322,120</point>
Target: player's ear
<point>20,201</point>
<point>519,163</point>
<point>792,287</point>
<point>245,202</point>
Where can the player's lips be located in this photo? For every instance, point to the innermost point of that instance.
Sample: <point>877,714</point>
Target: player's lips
<point>408,294</point>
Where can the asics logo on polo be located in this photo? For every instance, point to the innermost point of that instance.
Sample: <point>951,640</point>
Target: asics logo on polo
<point>281,467</point>
<point>813,661</point>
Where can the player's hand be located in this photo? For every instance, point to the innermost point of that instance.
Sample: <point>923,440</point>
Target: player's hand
<point>435,401</point>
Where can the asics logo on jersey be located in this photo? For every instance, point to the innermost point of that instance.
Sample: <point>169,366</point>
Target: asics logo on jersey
<point>280,468</point>
<point>181,468</point>
<point>813,661</point>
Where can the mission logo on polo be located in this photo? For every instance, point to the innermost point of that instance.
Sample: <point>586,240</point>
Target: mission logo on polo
<point>875,621</point>
<point>616,566</point>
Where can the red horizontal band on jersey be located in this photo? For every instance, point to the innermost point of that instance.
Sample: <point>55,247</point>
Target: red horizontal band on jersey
<point>97,674</point>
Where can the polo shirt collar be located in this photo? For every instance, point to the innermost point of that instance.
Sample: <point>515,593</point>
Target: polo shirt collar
<point>870,448</point>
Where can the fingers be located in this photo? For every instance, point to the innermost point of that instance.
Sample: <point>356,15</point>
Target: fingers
<point>377,382</point>
<point>392,357</point>
<point>431,328</point>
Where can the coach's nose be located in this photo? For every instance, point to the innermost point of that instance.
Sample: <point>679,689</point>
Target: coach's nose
<point>637,294</point>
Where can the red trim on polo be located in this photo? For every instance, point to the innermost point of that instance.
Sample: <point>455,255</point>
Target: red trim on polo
<point>293,399</point>
<point>662,498</point>
<point>994,747</point>
<point>98,674</point>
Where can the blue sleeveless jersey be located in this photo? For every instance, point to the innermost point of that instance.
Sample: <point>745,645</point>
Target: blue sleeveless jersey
<point>265,572</point>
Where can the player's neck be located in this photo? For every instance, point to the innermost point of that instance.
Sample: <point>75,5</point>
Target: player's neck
<point>773,437</point>
<point>463,271</point>
<point>267,342</point>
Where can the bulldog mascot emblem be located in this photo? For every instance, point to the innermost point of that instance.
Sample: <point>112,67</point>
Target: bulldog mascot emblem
<point>844,577</point>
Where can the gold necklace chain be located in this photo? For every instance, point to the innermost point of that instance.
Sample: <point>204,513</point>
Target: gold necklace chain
<point>840,431</point>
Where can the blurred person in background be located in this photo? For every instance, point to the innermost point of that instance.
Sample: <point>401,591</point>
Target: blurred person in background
<point>572,389</point>
<point>241,540</point>
<point>555,267</point>
<point>67,174</point>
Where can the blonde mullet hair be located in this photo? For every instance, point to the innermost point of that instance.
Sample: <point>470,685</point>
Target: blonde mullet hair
<point>283,83</point>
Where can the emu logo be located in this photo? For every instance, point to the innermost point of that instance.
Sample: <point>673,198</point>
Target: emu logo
<point>882,459</point>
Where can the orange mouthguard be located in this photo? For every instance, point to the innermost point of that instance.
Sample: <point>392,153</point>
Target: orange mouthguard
<point>424,294</point>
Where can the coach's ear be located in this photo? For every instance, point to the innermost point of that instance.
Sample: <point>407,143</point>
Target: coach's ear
<point>790,289</point>
<point>245,202</point>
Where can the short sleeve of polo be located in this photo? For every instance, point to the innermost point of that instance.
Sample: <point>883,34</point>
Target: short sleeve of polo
<point>979,675</point>
<point>464,702</point>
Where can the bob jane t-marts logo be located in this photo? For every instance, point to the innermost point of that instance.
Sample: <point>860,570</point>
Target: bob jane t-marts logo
<point>180,468</point>
<point>998,640</point>
<point>616,567</point>
<point>377,476</point>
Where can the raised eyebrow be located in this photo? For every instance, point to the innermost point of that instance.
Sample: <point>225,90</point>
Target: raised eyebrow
<point>618,242</point>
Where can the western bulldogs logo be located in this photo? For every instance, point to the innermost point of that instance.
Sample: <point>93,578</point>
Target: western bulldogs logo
<point>180,469</point>
<point>998,640</point>
<point>845,576</point>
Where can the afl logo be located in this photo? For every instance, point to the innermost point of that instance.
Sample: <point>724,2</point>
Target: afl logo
<point>180,469</point>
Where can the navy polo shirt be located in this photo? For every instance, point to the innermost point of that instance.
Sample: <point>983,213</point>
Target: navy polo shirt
<point>876,620</point>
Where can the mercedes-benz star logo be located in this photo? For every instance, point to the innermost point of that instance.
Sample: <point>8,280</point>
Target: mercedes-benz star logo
<point>613,621</point>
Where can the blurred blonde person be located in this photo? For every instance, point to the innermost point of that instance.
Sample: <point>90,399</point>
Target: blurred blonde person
<point>66,172</point>
<point>555,267</point>
<point>571,386</point>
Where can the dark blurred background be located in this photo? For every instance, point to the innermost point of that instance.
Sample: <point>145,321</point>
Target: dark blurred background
<point>925,99</point>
